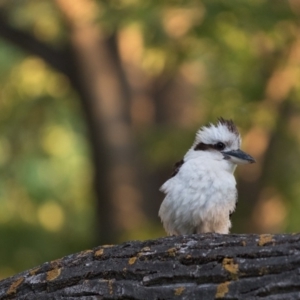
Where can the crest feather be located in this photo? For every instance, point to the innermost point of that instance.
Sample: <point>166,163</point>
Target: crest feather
<point>224,131</point>
<point>229,124</point>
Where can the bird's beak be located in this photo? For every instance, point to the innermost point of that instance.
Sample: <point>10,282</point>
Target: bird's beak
<point>238,157</point>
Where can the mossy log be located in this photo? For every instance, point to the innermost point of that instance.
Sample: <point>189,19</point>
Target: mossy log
<point>206,266</point>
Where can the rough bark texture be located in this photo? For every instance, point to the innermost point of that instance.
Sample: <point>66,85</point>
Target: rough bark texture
<point>207,266</point>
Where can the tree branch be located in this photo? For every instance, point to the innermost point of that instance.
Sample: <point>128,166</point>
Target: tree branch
<point>208,266</point>
<point>58,59</point>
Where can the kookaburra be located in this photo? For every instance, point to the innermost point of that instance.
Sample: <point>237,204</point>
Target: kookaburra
<point>201,194</point>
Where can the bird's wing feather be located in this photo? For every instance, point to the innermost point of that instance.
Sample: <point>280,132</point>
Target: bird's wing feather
<point>177,167</point>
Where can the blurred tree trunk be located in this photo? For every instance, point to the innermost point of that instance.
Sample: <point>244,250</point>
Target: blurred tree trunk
<point>105,99</point>
<point>112,107</point>
<point>93,66</point>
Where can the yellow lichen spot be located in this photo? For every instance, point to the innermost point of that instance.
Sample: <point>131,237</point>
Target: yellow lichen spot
<point>264,239</point>
<point>145,249</point>
<point>33,271</point>
<point>179,291</point>
<point>107,246</point>
<point>85,252</point>
<point>222,289</point>
<point>132,260</point>
<point>110,287</point>
<point>229,265</point>
<point>263,271</point>
<point>53,274</point>
<point>13,288</point>
<point>56,262</point>
<point>99,252</point>
<point>172,251</point>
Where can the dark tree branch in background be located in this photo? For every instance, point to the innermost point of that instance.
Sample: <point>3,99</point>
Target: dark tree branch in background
<point>208,266</point>
<point>58,59</point>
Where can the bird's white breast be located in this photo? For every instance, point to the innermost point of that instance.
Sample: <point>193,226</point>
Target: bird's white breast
<point>199,198</point>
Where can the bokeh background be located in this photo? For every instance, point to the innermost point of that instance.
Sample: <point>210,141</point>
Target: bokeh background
<point>98,100</point>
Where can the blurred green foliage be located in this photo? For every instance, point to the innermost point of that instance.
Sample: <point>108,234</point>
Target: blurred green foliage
<point>226,51</point>
<point>45,188</point>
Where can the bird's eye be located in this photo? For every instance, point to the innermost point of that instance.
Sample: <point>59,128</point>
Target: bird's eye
<point>219,146</point>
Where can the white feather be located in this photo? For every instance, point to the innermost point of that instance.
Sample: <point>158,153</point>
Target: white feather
<point>202,195</point>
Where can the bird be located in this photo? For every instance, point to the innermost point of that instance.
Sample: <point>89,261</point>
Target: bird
<point>201,194</point>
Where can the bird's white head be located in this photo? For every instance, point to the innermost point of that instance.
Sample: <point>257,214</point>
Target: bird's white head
<point>220,142</point>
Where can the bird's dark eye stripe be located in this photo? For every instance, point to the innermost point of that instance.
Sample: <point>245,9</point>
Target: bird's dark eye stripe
<point>203,147</point>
